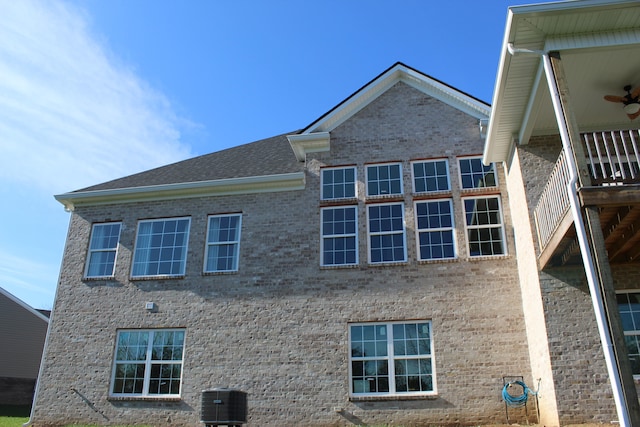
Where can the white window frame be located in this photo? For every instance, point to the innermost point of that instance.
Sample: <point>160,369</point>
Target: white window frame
<point>334,236</point>
<point>635,332</point>
<point>476,158</point>
<point>414,178</point>
<point>136,254</point>
<point>343,183</point>
<point>390,357</point>
<point>102,250</point>
<point>235,244</point>
<point>148,362</point>
<point>420,231</point>
<point>371,234</point>
<point>381,165</point>
<point>500,226</point>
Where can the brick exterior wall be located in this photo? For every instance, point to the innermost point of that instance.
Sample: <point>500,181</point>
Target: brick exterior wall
<point>578,369</point>
<point>278,328</point>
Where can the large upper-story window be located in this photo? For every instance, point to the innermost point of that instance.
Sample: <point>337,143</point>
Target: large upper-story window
<point>148,363</point>
<point>384,179</point>
<point>223,243</point>
<point>338,183</point>
<point>434,227</point>
<point>391,359</point>
<point>485,230</point>
<point>103,246</point>
<point>161,247</point>
<point>387,241</point>
<point>629,307</point>
<point>339,244</point>
<point>430,176</point>
<point>474,174</point>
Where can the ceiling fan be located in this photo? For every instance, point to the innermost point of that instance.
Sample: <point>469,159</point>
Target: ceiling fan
<point>631,101</point>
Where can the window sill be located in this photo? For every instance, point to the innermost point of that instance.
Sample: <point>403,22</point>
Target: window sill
<point>98,279</point>
<point>438,261</point>
<point>338,267</point>
<point>143,278</point>
<point>392,398</point>
<point>488,257</point>
<point>144,399</point>
<point>219,273</point>
<point>426,195</point>
<point>388,264</point>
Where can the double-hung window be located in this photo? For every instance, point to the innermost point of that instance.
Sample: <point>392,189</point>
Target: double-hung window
<point>387,241</point>
<point>148,363</point>
<point>339,236</point>
<point>161,247</point>
<point>485,230</point>
<point>223,243</point>
<point>338,183</point>
<point>384,179</point>
<point>474,174</point>
<point>430,176</point>
<point>629,307</point>
<point>103,246</point>
<point>434,226</point>
<point>391,359</point>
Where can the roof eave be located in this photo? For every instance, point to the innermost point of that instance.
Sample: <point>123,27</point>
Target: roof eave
<point>244,185</point>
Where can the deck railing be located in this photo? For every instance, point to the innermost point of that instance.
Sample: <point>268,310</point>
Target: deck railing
<point>612,158</point>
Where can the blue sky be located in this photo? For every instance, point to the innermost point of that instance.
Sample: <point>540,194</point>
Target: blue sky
<point>91,90</point>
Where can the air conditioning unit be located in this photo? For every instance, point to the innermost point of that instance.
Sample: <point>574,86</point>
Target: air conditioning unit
<point>223,407</point>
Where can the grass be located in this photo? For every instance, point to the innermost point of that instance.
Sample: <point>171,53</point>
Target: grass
<point>14,416</point>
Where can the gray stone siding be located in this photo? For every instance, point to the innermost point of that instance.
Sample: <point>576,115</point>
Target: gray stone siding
<point>278,328</point>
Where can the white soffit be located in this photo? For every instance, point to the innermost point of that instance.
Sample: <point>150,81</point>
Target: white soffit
<point>570,26</point>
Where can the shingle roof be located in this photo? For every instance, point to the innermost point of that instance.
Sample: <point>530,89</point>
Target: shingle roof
<point>271,156</point>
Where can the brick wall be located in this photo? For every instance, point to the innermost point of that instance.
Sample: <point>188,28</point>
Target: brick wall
<point>278,329</point>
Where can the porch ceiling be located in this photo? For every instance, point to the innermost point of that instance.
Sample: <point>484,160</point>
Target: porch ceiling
<point>599,42</point>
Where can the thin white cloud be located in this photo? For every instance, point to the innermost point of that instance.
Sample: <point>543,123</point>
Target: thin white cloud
<point>27,279</point>
<point>71,113</point>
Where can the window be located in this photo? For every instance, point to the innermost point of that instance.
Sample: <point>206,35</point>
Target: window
<point>384,179</point>
<point>386,233</point>
<point>629,306</point>
<point>161,248</point>
<point>432,175</point>
<point>474,174</point>
<point>102,250</point>
<point>339,237</point>
<point>391,359</point>
<point>485,233</point>
<point>148,363</point>
<point>338,183</point>
<point>434,223</point>
<point>223,243</point>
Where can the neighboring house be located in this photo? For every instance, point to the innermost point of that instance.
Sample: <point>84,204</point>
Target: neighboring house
<point>22,333</point>
<point>368,269</point>
<point>580,52</point>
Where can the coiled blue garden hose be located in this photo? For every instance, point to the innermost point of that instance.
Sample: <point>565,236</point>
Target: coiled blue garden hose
<point>516,401</point>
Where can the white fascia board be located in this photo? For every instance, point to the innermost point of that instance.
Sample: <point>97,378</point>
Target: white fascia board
<point>222,187</point>
<point>24,305</point>
<point>316,142</point>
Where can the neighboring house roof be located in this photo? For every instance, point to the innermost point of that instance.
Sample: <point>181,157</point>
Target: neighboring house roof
<point>22,333</point>
<point>272,164</point>
<point>599,41</point>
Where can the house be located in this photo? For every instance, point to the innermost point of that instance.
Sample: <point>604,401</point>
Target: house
<point>340,274</point>
<point>22,332</point>
<point>562,118</point>
<point>383,265</point>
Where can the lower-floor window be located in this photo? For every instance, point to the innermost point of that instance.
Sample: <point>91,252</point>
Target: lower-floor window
<point>148,362</point>
<point>392,358</point>
<point>629,307</point>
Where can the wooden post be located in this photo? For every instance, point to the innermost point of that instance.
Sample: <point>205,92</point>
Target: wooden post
<point>598,250</point>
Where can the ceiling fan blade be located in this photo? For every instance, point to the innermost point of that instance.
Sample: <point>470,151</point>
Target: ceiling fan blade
<point>634,115</point>
<point>614,98</point>
<point>636,93</point>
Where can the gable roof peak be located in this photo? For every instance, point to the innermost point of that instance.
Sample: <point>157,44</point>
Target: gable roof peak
<point>398,72</point>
